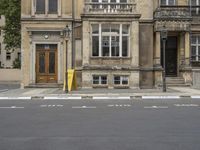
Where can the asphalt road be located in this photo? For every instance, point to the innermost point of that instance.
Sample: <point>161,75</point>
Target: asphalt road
<point>100,125</point>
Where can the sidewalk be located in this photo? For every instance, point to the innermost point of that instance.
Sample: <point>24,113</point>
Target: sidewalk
<point>57,93</point>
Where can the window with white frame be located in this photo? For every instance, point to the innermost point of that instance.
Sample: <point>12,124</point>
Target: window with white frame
<point>99,79</point>
<point>46,6</point>
<point>195,47</point>
<point>121,80</point>
<point>195,7</point>
<point>110,40</point>
<point>168,2</point>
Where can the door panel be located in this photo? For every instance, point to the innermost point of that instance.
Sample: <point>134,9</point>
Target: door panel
<point>170,56</point>
<point>46,63</point>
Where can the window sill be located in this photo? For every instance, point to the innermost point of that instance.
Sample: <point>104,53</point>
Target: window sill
<point>121,86</point>
<point>100,86</point>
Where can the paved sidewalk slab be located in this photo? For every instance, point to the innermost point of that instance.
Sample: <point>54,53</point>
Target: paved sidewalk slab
<point>97,94</point>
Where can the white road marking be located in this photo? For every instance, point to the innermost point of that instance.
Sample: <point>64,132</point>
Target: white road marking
<point>83,107</point>
<point>156,107</point>
<point>121,97</point>
<point>12,107</point>
<point>186,105</point>
<point>160,97</point>
<point>119,105</point>
<point>195,97</point>
<point>43,106</point>
<point>15,98</point>
<point>62,98</point>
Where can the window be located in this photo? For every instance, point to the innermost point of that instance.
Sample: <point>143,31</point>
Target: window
<point>46,6</point>
<point>195,48</point>
<point>109,1</point>
<point>110,40</point>
<point>99,79</point>
<point>168,2</point>
<point>121,80</point>
<point>19,56</point>
<point>8,56</point>
<point>109,4</point>
<point>195,7</point>
<point>0,48</point>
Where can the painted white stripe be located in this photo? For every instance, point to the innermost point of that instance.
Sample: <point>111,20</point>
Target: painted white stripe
<point>12,107</point>
<point>15,98</point>
<point>62,98</point>
<point>121,98</point>
<point>156,107</point>
<point>186,105</point>
<point>84,107</point>
<point>160,97</point>
<point>119,105</point>
<point>42,106</point>
<point>195,97</point>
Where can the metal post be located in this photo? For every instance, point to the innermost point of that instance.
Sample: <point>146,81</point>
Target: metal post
<point>164,67</point>
<point>73,36</point>
<point>66,73</point>
<point>164,39</point>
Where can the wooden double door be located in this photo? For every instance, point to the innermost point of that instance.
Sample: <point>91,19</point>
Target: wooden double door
<point>46,63</point>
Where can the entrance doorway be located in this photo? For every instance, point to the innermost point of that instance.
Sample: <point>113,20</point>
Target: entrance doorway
<point>46,63</point>
<point>170,56</point>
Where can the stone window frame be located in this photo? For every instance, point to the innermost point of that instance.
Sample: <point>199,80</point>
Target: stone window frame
<point>99,80</point>
<point>196,45</point>
<point>121,35</point>
<point>121,78</point>
<point>34,13</point>
<point>167,3</point>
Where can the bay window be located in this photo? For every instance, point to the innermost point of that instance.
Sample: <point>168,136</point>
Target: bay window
<point>110,40</point>
<point>195,48</point>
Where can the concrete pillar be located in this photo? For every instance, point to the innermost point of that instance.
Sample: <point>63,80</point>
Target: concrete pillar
<point>157,50</point>
<point>187,48</point>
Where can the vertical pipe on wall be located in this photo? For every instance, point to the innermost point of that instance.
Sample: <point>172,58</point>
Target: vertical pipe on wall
<point>73,37</point>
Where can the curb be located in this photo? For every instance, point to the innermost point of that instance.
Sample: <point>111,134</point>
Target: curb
<point>99,97</point>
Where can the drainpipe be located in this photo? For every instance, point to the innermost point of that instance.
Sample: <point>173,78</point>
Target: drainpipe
<point>73,36</point>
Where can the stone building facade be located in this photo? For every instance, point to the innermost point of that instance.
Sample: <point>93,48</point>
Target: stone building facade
<point>110,43</point>
<point>6,56</point>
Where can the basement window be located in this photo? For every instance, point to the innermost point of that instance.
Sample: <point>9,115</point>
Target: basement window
<point>99,79</point>
<point>121,80</point>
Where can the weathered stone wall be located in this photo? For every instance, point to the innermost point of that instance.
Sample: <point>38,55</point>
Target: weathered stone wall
<point>146,55</point>
<point>10,75</point>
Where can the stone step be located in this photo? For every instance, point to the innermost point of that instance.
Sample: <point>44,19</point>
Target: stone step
<point>178,85</point>
<point>50,85</point>
<point>176,81</point>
